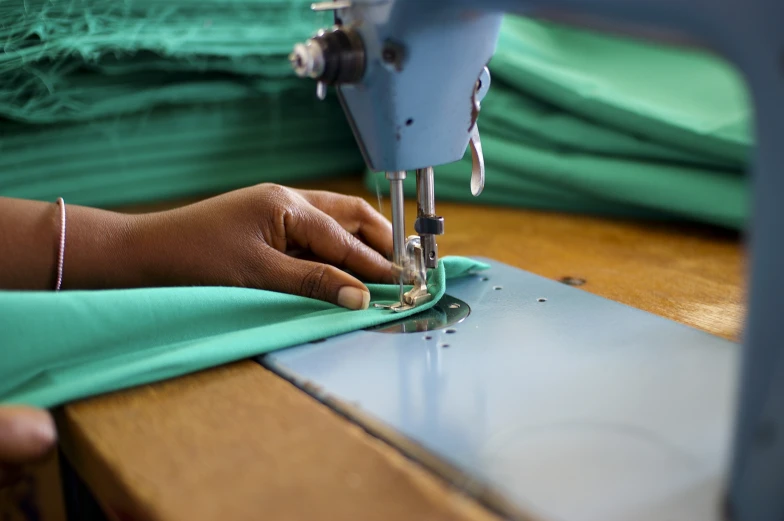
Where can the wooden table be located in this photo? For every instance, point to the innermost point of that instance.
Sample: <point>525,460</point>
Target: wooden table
<point>239,443</point>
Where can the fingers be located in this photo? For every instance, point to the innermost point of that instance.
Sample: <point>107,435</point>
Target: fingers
<point>356,216</point>
<point>26,435</point>
<point>315,280</point>
<point>310,228</point>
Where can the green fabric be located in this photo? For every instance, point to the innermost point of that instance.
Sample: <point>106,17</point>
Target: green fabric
<point>686,99</point>
<point>120,103</point>
<point>177,151</point>
<point>544,177</point>
<point>59,347</point>
<point>77,59</point>
<point>112,103</point>
<point>516,115</point>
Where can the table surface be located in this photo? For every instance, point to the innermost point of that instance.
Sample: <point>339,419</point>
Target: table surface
<point>237,442</point>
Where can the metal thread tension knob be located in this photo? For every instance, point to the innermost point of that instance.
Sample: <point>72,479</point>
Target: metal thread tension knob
<point>331,58</point>
<point>307,60</point>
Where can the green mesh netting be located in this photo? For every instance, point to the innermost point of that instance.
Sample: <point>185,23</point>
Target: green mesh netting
<point>109,103</point>
<point>79,59</point>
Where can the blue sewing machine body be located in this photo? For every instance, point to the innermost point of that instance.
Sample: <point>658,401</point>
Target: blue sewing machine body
<point>409,75</point>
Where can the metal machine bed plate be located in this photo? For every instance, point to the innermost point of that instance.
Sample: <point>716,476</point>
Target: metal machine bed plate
<point>544,399</point>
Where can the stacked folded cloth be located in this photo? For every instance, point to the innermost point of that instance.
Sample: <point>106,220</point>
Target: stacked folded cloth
<point>584,122</point>
<point>108,103</point>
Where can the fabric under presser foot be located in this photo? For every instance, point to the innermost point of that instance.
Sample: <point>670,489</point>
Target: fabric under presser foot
<point>114,339</point>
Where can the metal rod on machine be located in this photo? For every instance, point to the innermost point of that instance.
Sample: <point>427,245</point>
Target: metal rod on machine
<point>425,191</point>
<point>398,217</point>
<point>426,208</point>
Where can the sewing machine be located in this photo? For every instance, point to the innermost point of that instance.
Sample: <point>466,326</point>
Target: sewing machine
<point>668,422</point>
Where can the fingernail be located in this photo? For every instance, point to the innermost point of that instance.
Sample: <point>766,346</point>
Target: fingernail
<point>353,298</point>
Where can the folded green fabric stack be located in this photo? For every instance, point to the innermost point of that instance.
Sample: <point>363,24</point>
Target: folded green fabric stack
<point>170,152</point>
<point>584,122</point>
<point>108,103</point>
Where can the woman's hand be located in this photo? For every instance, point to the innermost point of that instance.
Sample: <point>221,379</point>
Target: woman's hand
<point>266,237</point>
<point>274,238</point>
<point>26,436</point>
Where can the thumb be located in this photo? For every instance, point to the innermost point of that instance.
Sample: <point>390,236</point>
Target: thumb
<point>26,434</point>
<point>316,280</point>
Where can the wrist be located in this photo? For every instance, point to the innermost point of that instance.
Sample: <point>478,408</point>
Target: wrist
<point>148,243</point>
<point>101,249</point>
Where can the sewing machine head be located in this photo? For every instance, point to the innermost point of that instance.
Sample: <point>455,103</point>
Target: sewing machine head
<point>407,89</point>
<point>411,94</point>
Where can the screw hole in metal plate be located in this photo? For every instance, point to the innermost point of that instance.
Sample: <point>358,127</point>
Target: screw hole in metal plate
<point>497,288</point>
<point>485,279</point>
<point>444,346</point>
<point>541,299</point>
<point>427,337</point>
<point>451,331</point>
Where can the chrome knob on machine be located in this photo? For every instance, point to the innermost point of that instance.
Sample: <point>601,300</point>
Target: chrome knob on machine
<point>332,57</point>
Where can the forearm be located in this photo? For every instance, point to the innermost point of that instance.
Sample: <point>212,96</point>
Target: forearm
<point>99,250</point>
<point>240,238</point>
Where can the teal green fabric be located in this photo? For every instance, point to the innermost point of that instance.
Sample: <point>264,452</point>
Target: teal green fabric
<point>109,103</point>
<point>59,347</point>
<point>78,59</point>
<point>175,151</point>
<point>516,115</point>
<point>687,99</point>
<point>542,176</point>
<point>112,103</point>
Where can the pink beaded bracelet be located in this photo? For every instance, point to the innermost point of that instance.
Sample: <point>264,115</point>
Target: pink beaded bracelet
<point>61,249</point>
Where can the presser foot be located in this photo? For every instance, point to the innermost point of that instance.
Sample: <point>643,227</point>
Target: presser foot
<point>411,299</point>
<point>416,272</point>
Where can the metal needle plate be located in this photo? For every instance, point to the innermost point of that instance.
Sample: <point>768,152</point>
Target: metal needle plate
<point>546,400</point>
<point>447,312</point>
